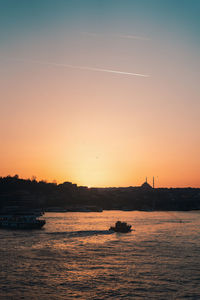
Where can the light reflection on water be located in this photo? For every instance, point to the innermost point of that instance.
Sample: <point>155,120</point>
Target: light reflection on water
<point>75,256</point>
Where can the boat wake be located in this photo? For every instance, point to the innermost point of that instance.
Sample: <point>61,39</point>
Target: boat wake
<point>80,233</point>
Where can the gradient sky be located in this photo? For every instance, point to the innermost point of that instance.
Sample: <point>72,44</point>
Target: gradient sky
<point>72,105</point>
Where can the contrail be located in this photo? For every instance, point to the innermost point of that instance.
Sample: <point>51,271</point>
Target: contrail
<point>78,67</point>
<point>122,36</point>
<point>134,37</point>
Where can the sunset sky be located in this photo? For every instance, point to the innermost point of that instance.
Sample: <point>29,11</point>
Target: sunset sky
<point>101,93</point>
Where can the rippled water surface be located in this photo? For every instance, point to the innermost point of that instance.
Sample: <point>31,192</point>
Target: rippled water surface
<point>76,257</point>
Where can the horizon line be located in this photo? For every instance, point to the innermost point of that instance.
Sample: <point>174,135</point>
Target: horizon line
<point>54,181</point>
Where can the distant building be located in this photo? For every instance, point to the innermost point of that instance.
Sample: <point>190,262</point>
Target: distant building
<point>146,186</point>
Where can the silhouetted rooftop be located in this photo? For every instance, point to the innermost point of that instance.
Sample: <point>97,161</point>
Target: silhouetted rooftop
<point>146,186</point>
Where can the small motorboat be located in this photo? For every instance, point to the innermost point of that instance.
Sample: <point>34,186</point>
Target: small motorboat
<point>122,227</point>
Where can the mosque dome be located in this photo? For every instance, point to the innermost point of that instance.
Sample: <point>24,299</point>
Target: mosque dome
<point>146,186</point>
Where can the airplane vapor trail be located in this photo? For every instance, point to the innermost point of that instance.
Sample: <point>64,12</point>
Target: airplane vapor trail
<point>122,36</point>
<point>134,37</point>
<point>79,67</point>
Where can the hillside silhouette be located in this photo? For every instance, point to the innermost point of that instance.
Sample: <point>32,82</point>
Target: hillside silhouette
<point>15,191</point>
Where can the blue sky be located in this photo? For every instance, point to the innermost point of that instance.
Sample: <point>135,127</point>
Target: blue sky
<point>24,16</point>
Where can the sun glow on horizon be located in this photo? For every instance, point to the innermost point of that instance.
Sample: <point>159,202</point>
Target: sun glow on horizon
<point>77,104</point>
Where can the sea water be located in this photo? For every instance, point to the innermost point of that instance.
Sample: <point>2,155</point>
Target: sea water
<point>75,256</point>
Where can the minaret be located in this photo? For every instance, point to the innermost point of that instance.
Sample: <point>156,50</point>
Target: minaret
<point>153,182</point>
<point>146,179</point>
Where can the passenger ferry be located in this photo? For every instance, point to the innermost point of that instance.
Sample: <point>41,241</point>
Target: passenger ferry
<point>21,220</point>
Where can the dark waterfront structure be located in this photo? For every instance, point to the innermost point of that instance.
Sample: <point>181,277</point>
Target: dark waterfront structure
<point>70,197</point>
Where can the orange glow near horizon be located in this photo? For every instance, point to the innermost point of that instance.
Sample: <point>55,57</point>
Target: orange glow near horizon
<point>97,128</point>
<point>95,142</point>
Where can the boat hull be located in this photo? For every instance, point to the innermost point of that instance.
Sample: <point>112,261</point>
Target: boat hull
<point>124,230</point>
<point>23,225</point>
